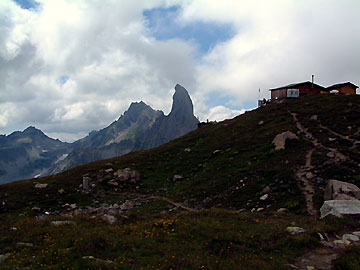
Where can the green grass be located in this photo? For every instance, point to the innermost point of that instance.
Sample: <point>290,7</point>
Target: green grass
<point>212,239</point>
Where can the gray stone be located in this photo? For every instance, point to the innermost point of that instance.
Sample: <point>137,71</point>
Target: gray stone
<point>350,237</point>
<point>339,208</point>
<point>314,117</point>
<point>38,185</point>
<point>62,222</point>
<point>187,149</point>
<point>264,197</point>
<point>342,242</point>
<point>309,175</point>
<point>266,189</point>
<point>295,230</point>
<point>109,219</point>
<point>61,191</point>
<point>356,233</point>
<point>216,151</point>
<point>280,139</point>
<point>177,178</point>
<point>261,122</point>
<point>330,154</point>
<point>20,244</point>
<point>85,183</point>
<point>338,190</point>
<point>3,257</point>
<point>282,210</point>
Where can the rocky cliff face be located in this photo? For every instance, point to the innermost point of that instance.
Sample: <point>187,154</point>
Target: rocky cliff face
<point>180,121</point>
<point>139,127</point>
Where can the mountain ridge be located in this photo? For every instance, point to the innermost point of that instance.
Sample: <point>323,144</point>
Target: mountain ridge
<point>139,126</point>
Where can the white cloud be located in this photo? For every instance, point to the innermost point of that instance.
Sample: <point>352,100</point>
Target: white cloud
<point>111,59</point>
<point>219,113</point>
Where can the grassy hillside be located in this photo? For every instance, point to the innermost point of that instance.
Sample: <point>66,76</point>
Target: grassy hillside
<point>211,216</point>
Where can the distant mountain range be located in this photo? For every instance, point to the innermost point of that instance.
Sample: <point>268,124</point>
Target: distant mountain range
<point>31,153</point>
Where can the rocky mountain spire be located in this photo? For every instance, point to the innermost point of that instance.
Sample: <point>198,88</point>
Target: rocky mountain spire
<point>182,107</point>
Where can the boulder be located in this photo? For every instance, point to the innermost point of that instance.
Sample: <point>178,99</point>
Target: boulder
<point>350,237</point>
<point>109,219</point>
<point>339,208</point>
<point>338,190</point>
<point>62,222</point>
<point>38,185</point>
<point>3,257</point>
<point>295,230</point>
<point>177,177</point>
<point>280,139</point>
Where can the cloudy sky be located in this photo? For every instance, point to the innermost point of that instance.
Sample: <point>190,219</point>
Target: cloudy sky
<point>72,66</point>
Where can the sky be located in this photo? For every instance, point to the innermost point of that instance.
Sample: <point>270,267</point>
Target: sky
<point>68,67</point>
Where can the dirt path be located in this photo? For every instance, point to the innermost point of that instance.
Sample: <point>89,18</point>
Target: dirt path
<point>301,173</point>
<point>180,205</point>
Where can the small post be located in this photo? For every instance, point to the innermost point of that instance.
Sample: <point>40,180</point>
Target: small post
<point>85,183</point>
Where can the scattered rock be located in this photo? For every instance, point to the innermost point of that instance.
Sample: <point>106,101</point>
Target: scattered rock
<point>13,229</point>
<point>259,209</point>
<point>38,185</point>
<point>62,222</point>
<point>339,208</point>
<point>96,259</point>
<point>332,139</point>
<point>109,170</point>
<point>61,191</point>
<point>266,189</point>
<point>310,267</point>
<point>109,219</point>
<point>187,149</point>
<point>309,175</point>
<point>35,208</point>
<point>261,122</point>
<point>113,183</point>
<point>314,117</point>
<point>282,210</point>
<point>216,151</point>
<point>350,237</point>
<point>338,190</point>
<point>342,242</point>
<point>264,197</point>
<point>356,233</point>
<point>177,177</point>
<point>20,244</point>
<point>280,139</point>
<point>85,183</point>
<point>3,257</point>
<point>330,154</point>
<point>295,230</point>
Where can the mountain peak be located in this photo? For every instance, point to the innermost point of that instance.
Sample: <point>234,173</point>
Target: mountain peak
<point>182,104</point>
<point>32,130</point>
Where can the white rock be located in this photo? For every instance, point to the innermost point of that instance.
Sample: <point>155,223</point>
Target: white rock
<point>264,197</point>
<point>350,237</point>
<point>340,207</point>
<point>356,233</point>
<point>62,222</point>
<point>38,185</point>
<point>109,219</point>
<point>295,230</point>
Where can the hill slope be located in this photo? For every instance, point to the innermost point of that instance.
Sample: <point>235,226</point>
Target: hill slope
<point>201,196</point>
